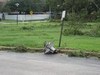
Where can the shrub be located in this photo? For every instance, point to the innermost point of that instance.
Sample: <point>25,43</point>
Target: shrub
<point>0,19</point>
<point>27,28</point>
<point>74,28</point>
<point>95,31</point>
<point>72,32</point>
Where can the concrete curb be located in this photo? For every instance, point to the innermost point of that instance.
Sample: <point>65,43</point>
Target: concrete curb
<point>62,50</point>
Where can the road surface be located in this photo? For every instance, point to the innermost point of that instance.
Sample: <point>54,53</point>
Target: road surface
<point>40,64</point>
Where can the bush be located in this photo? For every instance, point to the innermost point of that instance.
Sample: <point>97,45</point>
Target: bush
<point>27,28</point>
<point>95,31</point>
<point>0,19</point>
<point>20,49</point>
<point>74,28</point>
<point>72,32</point>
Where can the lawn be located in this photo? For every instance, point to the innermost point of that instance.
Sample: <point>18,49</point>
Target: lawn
<point>34,34</point>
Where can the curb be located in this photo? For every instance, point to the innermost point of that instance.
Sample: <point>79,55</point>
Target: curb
<point>69,52</point>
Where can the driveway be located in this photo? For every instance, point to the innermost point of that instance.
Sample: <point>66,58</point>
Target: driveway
<point>39,64</point>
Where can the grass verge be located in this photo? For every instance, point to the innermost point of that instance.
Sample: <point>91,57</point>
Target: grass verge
<point>34,34</point>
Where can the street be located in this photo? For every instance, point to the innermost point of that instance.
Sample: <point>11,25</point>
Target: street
<point>39,64</point>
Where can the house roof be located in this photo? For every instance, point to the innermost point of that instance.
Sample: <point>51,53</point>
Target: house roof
<point>3,0</point>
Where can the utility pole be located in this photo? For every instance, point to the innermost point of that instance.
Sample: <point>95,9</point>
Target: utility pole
<point>50,11</point>
<point>17,4</point>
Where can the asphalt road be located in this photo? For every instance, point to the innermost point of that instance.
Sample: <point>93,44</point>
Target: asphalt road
<point>40,64</point>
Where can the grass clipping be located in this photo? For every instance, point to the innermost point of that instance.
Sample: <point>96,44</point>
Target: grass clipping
<point>21,49</point>
<point>83,54</point>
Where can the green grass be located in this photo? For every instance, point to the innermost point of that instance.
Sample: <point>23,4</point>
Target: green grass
<point>41,31</point>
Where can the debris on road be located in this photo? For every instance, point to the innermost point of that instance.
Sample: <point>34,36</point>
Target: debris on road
<point>49,48</point>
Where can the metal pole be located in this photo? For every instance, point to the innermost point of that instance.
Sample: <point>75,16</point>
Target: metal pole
<point>62,23</point>
<point>17,4</point>
<point>50,11</point>
<point>17,18</point>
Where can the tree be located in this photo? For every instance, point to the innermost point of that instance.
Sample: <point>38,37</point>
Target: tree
<point>55,6</point>
<point>97,2</point>
<point>78,7</point>
<point>75,5</point>
<point>25,5</point>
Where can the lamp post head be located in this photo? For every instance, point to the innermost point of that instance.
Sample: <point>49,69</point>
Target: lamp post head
<point>17,4</point>
<point>58,5</point>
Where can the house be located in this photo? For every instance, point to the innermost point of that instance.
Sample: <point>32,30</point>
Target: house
<point>23,17</point>
<point>3,2</point>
